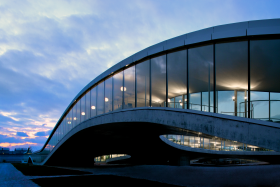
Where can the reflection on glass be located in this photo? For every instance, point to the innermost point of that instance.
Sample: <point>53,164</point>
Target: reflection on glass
<point>158,81</point>
<point>177,78</point>
<point>275,107</point>
<point>100,98</point>
<point>83,108</point>
<point>87,105</point>
<point>69,120</point>
<point>201,78</point>
<point>143,84</point>
<point>78,110</point>
<point>118,91</point>
<point>226,101</point>
<point>129,84</point>
<point>264,63</point>
<point>231,77</point>
<point>195,101</point>
<point>93,97</point>
<point>260,105</point>
<point>108,94</point>
<point>74,115</point>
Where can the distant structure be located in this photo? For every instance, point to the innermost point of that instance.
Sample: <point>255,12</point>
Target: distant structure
<point>212,93</point>
<point>17,151</point>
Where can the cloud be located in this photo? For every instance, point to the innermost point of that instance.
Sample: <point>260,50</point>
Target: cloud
<point>23,134</point>
<point>43,133</point>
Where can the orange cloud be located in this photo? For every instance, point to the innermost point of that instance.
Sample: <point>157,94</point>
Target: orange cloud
<point>6,144</point>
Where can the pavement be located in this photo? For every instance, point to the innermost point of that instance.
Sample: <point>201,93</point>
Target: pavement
<point>11,177</point>
<point>198,176</point>
<point>191,176</point>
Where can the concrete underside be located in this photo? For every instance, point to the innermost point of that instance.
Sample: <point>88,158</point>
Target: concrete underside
<point>136,132</point>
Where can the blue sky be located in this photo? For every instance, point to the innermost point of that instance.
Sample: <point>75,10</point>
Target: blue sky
<point>50,50</point>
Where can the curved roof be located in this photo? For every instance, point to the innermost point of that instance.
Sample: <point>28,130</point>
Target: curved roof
<point>241,29</point>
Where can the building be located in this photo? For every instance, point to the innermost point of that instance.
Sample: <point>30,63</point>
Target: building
<point>210,93</point>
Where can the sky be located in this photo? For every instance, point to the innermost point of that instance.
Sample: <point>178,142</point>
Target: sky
<point>50,50</point>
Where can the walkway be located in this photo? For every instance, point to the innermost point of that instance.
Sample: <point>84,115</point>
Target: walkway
<point>11,177</point>
<point>261,175</point>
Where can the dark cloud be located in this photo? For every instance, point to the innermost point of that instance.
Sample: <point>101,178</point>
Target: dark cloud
<point>22,134</point>
<point>43,133</point>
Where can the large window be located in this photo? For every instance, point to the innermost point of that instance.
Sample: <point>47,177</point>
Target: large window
<point>158,81</point>
<point>88,105</point>
<point>143,84</point>
<point>129,87</point>
<point>108,94</point>
<point>200,61</point>
<point>93,101</point>
<point>232,77</point>
<point>83,108</point>
<point>265,66</point>
<point>177,79</point>
<point>118,91</point>
<point>100,98</point>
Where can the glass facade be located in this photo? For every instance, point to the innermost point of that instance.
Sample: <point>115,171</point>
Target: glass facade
<point>231,77</point>
<point>129,87</point>
<point>212,143</point>
<point>241,76</point>
<point>200,65</point>
<point>143,84</point>
<point>158,81</point>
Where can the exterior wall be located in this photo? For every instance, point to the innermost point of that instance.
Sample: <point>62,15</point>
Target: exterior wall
<point>213,70</point>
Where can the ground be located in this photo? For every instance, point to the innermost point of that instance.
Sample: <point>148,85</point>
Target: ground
<point>150,175</point>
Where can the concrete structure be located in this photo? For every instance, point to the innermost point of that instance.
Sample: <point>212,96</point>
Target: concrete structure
<point>214,91</point>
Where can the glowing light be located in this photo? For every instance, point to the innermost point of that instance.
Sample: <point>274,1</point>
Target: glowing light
<point>83,113</point>
<point>93,107</point>
<point>233,98</point>
<point>123,89</point>
<point>245,97</point>
<point>106,99</point>
<point>69,122</point>
<point>75,118</point>
<point>169,100</point>
<point>181,104</point>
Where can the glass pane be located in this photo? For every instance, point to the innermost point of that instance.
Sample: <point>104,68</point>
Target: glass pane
<point>143,83</point>
<point>260,105</point>
<point>118,90</point>
<point>69,119</point>
<point>129,87</point>
<point>177,78</point>
<point>75,115</point>
<point>231,76</point>
<point>108,94</point>
<point>158,81</point>
<point>100,98</point>
<point>78,116</point>
<point>265,65</point>
<point>88,105</point>
<point>275,107</point>
<point>93,102</point>
<point>195,101</point>
<point>83,108</point>
<point>226,102</point>
<point>200,61</point>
